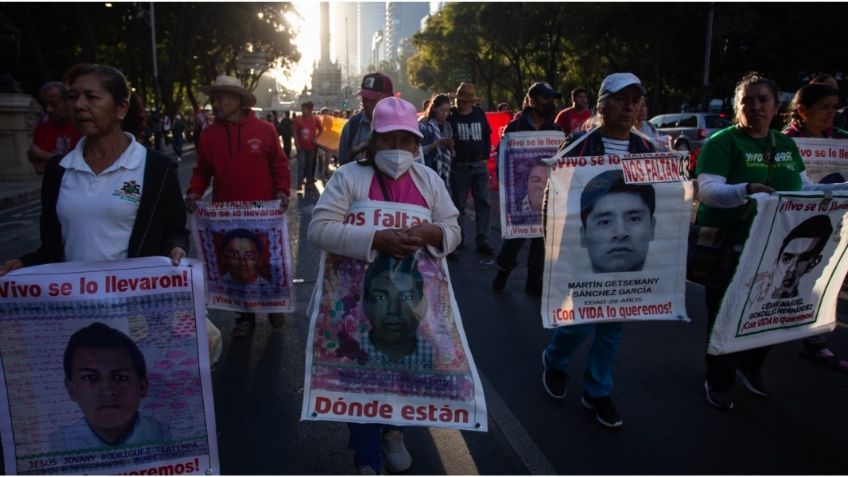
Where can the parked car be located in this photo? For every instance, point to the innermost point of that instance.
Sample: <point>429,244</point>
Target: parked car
<point>688,131</point>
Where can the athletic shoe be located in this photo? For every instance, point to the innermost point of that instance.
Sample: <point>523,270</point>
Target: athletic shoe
<point>366,470</point>
<point>553,380</point>
<point>718,398</point>
<point>396,457</point>
<point>485,249</point>
<point>499,283</point>
<point>605,411</point>
<point>753,381</point>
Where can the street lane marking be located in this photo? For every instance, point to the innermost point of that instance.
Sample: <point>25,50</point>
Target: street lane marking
<point>453,452</point>
<point>520,441</point>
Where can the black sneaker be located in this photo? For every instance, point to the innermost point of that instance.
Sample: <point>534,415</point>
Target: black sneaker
<point>605,411</point>
<point>553,380</point>
<point>499,283</point>
<point>753,381</point>
<point>718,398</point>
<point>485,249</point>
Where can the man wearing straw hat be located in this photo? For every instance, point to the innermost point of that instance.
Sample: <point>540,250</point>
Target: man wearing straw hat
<point>243,155</point>
<point>469,169</point>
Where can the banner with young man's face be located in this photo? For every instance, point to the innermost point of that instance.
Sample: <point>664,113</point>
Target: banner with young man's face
<point>246,254</point>
<point>105,369</point>
<point>824,157</point>
<point>386,343</point>
<point>616,237</point>
<point>523,176</point>
<point>789,274</point>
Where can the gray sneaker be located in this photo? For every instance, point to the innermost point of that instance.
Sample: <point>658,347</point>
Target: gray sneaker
<point>717,398</point>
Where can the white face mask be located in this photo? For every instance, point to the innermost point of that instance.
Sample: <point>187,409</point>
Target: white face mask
<point>393,162</point>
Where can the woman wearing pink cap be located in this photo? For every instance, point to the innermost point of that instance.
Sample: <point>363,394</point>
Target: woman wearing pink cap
<point>388,173</point>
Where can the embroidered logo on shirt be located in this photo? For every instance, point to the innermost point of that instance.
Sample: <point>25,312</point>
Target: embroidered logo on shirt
<point>129,192</point>
<point>255,145</point>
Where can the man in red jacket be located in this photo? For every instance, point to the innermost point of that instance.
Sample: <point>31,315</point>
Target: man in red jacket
<point>243,155</point>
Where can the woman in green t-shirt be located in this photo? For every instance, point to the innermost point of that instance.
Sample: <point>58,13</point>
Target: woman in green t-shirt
<point>729,169</point>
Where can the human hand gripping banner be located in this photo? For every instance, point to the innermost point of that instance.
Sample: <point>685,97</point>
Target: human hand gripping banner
<point>789,274</point>
<point>823,157</point>
<point>615,244</point>
<point>386,342</point>
<point>105,369</point>
<point>523,177</point>
<point>247,256</point>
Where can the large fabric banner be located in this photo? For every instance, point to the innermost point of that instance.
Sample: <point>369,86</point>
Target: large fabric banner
<point>789,274</point>
<point>615,244</point>
<point>823,156</point>
<point>386,342</point>
<point>246,253</point>
<point>523,177</point>
<point>105,369</point>
<point>329,138</point>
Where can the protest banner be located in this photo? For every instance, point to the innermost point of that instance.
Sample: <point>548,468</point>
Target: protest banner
<point>386,342</point>
<point>105,369</point>
<point>789,274</point>
<point>497,123</point>
<point>332,133</point>
<point>616,238</point>
<point>823,156</point>
<point>523,177</point>
<point>246,254</point>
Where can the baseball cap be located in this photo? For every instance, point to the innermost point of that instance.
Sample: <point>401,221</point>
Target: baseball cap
<point>395,114</point>
<point>542,88</point>
<point>375,84</point>
<point>618,81</point>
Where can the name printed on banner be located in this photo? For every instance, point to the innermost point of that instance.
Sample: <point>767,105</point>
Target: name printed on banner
<point>110,284</point>
<point>779,313</point>
<point>534,142</point>
<point>374,408</point>
<point>387,219</point>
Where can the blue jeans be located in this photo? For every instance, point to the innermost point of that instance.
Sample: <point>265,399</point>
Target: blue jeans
<point>474,176</point>
<point>597,378</point>
<point>365,442</point>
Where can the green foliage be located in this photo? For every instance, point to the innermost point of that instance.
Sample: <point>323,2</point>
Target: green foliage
<point>505,47</point>
<point>195,42</point>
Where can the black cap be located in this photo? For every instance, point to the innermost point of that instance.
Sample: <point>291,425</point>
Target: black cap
<point>542,88</point>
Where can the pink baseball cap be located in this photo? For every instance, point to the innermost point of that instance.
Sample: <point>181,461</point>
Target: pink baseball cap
<point>395,114</point>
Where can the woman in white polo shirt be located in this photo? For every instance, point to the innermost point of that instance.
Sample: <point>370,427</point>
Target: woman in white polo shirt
<point>110,198</point>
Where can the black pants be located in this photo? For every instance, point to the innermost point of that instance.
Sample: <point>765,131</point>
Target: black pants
<point>721,369</point>
<point>508,257</point>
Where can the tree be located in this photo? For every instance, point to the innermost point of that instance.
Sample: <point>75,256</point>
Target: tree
<point>195,42</point>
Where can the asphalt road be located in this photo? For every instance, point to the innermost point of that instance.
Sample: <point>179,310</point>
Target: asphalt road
<point>668,426</point>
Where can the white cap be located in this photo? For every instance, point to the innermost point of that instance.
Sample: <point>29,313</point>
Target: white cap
<point>618,81</point>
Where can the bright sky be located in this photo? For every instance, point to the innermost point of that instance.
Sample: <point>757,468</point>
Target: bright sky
<point>307,41</point>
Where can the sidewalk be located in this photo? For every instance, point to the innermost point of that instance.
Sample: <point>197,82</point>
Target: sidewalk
<point>14,193</point>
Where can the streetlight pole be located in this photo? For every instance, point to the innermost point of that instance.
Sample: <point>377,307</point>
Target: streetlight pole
<point>155,61</point>
<point>705,92</point>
